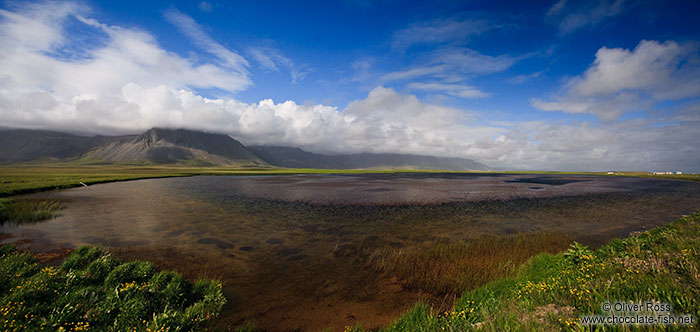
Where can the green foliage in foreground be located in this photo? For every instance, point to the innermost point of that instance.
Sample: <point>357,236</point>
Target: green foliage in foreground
<point>93,291</point>
<point>18,212</point>
<point>551,292</point>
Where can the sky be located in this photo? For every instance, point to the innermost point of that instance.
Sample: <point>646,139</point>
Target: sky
<point>542,85</point>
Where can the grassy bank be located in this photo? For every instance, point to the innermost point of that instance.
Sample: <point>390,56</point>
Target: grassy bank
<point>93,291</point>
<point>552,292</point>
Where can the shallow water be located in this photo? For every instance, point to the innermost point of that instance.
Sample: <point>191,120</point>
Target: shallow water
<point>289,248</point>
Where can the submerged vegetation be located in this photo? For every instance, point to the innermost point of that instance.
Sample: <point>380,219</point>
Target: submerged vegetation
<point>27,211</point>
<point>93,291</point>
<point>452,268</point>
<point>552,292</point>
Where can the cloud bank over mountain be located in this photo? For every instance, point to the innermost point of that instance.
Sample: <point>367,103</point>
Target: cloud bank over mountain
<point>128,82</point>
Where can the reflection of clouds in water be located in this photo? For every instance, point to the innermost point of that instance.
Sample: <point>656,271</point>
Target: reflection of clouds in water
<point>382,189</point>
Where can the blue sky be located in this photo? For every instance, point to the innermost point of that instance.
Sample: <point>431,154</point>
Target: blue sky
<point>569,85</point>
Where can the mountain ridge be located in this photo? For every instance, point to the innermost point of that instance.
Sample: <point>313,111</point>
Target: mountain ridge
<point>293,157</point>
<point>172,146</point>
<point>190,147</point>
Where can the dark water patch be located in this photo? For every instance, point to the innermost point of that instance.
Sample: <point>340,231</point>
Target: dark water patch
<point>274,240</point>
<point>98,241</point>
<point>297,257</point>
<point>552,181</point>
<point>175,233</point>
<point>220,244</point>
<point>287,252</point>
<point>378,190</point>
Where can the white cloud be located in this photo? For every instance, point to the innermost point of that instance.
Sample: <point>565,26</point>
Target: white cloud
<point>621,80</point>
<point>30,37</point>
<point>437,32</point>
<point>414,72</point>
<point>271,59</point>
<point>453,61</point>
<point>520,79</point>
<point>205,6</point>
<point>456,90</point>
<point>574,15</point>
<point>199,37</point>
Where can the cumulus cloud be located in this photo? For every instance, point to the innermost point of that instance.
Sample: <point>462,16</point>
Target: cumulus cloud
<point>621,80</point>
<point>572,15</point>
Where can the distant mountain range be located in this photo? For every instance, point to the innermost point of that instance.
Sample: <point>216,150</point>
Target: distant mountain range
<point>187,147</point>
<point>297,158</point>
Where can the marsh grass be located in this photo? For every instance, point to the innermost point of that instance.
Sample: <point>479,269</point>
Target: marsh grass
<point>27,211</point>
<point>551,291</point>
<point>452,268</point>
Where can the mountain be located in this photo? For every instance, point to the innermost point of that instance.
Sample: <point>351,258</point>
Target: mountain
<point>178,146</point>
<point>195,148</point>
<point>21,145</point>
<point>298,158</point>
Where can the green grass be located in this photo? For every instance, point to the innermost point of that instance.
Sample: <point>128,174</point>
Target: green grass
<point>550,292</point>
<point>27,211</point>
<point>93,291</point>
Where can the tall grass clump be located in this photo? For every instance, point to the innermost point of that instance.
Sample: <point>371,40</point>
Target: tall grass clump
<point>452,268</point>
<point>93,291</point>
<point>27,211</point>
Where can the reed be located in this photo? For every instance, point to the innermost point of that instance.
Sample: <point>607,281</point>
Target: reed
<point>452,268</point>
<point>27,211</point>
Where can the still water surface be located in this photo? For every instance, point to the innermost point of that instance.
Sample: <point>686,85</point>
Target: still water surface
<point>288,247</point>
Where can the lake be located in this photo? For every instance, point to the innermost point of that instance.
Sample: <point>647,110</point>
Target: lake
<point>289,248</point>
